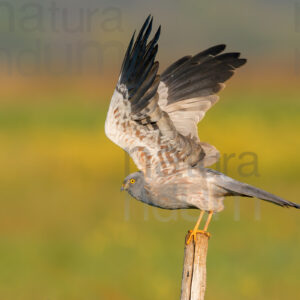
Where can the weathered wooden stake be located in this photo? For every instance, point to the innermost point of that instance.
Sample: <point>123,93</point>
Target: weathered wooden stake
<point>194,268</point>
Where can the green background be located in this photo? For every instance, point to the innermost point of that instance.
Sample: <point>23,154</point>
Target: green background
<point>66,231</point>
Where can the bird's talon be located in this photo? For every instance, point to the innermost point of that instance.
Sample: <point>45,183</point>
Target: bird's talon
<point>207,234</point>
<point>193,235</point>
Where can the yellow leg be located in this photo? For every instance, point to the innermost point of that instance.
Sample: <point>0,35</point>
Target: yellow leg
<point>195,230</point>
<point>208,220</point>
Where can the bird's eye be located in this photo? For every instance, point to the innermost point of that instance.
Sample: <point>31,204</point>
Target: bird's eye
<point>132,181</point>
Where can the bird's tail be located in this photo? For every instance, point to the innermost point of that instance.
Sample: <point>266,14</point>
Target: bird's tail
<point>233,187</point>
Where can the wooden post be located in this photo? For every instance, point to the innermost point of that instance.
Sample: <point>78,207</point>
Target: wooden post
<point>194,268</point>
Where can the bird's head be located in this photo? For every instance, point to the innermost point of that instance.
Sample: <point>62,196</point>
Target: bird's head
<point>134,184</point>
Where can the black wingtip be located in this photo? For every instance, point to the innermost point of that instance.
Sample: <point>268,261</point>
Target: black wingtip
<point>215,50</point>
<point>242,62</point>
<point>158,32</point>
<point>220,47</point>
<point>148,21</point>
<point>140,59</point>
<point>229,55</point>
<point>127,53</point>
<point>157,35</point>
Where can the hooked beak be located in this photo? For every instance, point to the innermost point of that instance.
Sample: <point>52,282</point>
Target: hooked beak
<point>124,187</point>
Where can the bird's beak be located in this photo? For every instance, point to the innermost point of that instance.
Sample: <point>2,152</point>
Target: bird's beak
<point>123,187</point>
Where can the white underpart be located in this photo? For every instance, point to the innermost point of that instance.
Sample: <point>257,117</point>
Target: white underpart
<point>123,131</point>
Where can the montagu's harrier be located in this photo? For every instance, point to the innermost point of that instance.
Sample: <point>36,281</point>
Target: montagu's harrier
<point>154,118</point>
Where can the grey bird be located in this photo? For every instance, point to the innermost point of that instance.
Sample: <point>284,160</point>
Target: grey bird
<point>154,118</point>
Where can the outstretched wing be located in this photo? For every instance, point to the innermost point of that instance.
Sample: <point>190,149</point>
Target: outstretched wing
<point>144,111</point>
<point>135,121</point>
<point>188,90</point>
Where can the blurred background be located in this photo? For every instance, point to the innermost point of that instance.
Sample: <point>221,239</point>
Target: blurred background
<point>66,231</point>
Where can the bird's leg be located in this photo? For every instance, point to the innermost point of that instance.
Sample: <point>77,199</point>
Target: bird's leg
<point>208,220</point>
<point>195,230</point>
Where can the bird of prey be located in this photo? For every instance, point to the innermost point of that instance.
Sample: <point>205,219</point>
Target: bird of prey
<point>154,118</point>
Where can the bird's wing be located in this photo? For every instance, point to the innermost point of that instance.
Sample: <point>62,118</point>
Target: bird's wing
<point>138,119</point>
<point>135,121</point>
<point>188,90</point>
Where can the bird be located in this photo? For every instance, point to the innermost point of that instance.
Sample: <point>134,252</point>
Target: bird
<point>153,116</point>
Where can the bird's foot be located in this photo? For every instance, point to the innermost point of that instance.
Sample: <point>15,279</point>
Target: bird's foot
<point>193,234</point>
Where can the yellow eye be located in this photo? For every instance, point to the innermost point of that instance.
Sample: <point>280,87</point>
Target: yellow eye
<point>132,181</point>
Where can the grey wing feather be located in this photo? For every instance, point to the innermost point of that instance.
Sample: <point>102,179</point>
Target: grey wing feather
<point>188,90</point>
